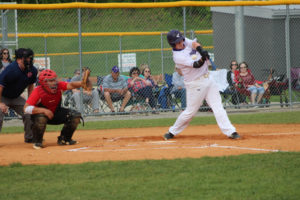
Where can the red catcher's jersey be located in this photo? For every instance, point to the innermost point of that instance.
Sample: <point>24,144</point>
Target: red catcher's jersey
<point>49,100</point>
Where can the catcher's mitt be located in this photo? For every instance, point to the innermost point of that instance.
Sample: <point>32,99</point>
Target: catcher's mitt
<point>85,82</point>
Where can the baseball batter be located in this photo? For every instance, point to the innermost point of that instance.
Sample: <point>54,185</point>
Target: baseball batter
<point>44,105</point>
<point>191,59</point>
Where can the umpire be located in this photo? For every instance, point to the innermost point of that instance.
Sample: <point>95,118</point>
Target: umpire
<point>15,78</point>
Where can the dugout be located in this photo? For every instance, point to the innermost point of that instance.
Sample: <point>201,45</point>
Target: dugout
<point>264,37</point>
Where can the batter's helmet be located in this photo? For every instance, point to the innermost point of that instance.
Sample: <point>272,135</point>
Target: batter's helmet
<point>44,77</point>
<point>174,36</point>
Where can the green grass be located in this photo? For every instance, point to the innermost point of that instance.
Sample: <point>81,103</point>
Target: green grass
<point>264,176</point>
<point>253,118</point>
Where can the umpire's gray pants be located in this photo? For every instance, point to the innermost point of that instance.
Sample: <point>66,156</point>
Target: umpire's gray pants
<point>94,99</point>
<point>17,104</point>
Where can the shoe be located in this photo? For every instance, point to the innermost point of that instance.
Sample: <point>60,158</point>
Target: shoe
<point>37,145</point>
<point>61,141</point>
<point>168,136</point>
<point>28,140</point>
<point>234,135</point>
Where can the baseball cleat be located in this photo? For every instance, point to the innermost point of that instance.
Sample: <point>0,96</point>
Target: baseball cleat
<point>61,141</point>
<point>27,140</point>
<point>234,135</point>
<point>37,145</point>
<point>168,136</point>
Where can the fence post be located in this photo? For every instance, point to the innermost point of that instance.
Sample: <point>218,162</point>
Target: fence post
<point>184,22</point>
<point>239,33</point>
<point>80,58</point>
<point>287,52</point>
<point>46,63</point>
<point>120,45</point>
<point>4,28</point>
<point>162,55</point>
<point>106,64</point>
<point>149,59</point>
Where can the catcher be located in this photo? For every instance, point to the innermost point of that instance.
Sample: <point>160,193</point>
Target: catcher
<point>44,105</point>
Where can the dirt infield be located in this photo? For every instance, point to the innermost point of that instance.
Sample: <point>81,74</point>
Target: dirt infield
<point>147,143</point>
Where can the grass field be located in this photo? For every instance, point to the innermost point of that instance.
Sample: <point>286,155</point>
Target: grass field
<point>261,176</point>
<point>264,176</point>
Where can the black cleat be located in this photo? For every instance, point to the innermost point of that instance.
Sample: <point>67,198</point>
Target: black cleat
<point>37,145</point>
<point>168,136</point>
<point>234,135</point>
<point>27,140</point>
<point>61,141</point>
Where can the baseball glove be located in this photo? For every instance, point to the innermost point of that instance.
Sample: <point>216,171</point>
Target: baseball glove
<point>85,82</point>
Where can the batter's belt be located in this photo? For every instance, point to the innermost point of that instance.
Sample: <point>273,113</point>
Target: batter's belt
<point>203,76</point>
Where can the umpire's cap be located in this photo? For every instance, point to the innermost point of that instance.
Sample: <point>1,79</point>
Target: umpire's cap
<point>23,53</point>
<point>174,36</point>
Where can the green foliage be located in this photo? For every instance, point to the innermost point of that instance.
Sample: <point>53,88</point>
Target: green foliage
<point>261,176</point>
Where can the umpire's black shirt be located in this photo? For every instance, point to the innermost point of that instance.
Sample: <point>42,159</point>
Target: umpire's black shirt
<point>15,81</point>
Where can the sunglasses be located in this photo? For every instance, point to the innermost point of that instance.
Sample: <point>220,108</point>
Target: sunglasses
<point>234,64</point>
<point>5,53</point>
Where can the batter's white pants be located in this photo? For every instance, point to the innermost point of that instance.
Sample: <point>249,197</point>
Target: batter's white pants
<point>196,92</point>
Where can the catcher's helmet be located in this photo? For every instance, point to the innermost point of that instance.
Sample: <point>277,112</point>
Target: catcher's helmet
<point>174,36</point>
<point>47,79</point>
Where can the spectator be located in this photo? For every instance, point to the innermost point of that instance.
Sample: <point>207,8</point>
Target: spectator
<point>142,68</point>
<point>237,98</point>
<point>246,80</point>
<point>178,88</point>
<point>14,79</point>
<point>5,59</point>
<point>115,88</point>
<point>89,96</point>
<point>140,86</point>
<point>146,72</point>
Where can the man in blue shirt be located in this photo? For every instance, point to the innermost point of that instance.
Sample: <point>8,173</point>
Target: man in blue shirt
<point>15,78</point>
<point>115,89</point>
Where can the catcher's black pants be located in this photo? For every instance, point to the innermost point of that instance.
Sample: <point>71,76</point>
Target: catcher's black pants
<point>69,118</point>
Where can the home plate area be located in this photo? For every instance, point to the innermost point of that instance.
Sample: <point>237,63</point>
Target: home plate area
<point>139,143</point>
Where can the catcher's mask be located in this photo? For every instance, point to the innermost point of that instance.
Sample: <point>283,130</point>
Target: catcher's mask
<point>48,80</point>
<point>174,37</point>
<point>28,56</point>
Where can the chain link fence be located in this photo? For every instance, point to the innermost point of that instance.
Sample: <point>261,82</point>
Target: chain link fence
<point>69,39</point>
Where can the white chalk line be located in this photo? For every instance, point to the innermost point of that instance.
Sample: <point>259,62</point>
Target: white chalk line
<point>86,149</point>
<point>129,137</point>
<point>284,133</point>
